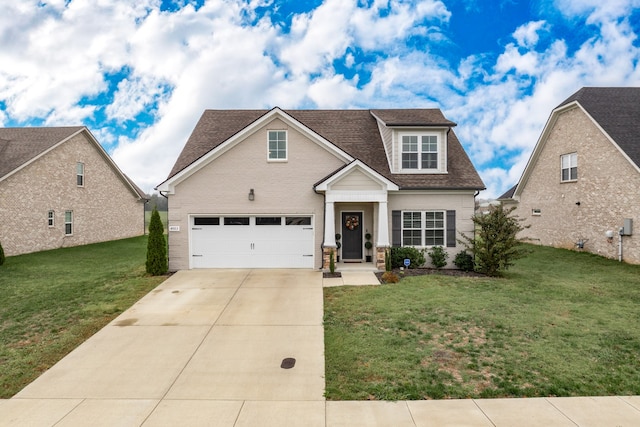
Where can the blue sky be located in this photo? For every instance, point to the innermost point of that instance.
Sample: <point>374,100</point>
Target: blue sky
<point>139,74</point>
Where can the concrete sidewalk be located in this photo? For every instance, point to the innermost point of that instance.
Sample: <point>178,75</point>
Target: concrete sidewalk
<point>205,348</point>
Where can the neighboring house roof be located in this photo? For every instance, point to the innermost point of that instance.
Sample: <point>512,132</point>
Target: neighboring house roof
<point>508,194</point>
<point>353,132</point>
<point>21,146</point>
<point>615,110</point>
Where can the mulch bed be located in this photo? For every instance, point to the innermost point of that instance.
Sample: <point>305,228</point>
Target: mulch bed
<point>407,272</point>
<point>329,275</point>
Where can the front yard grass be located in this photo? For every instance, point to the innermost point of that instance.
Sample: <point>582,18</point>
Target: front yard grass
<point>52,301</point>
<point>560,323</point>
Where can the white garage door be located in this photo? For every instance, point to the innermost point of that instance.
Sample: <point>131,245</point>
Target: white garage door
<point>252,241</point>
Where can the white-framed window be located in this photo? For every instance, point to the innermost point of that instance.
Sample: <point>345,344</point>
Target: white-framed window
<point>68,223</point>
<point>569,165</point>
<point>277,145</point>
<point>51,218</point>
<point>419,151</point>
<point>423,228</point>
<point>80,174</point>
<point>536,212</point>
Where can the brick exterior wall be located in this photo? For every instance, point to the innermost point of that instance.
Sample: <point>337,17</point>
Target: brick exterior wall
<point>607,190</point>
<point>104,209</point>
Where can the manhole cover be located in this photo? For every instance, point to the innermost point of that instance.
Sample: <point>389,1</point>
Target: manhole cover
<point>288,363</point>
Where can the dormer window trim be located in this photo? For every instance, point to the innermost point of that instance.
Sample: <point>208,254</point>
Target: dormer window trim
<point>421,151</point>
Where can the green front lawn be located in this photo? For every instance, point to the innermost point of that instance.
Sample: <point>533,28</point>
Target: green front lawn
<point>560,323</point>
<point>52,301</point>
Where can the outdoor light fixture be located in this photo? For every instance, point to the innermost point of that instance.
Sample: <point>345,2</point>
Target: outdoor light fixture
<point>252,195</point>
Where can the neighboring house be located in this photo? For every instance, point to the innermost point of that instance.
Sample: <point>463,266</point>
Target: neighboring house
<point>580,186</point>
<point>59,188</point>
<point>274,188</point>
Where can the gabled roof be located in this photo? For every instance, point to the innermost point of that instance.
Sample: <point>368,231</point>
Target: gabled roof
<point>352,132</point>
<point>617,111</point>
<point>22,146</point>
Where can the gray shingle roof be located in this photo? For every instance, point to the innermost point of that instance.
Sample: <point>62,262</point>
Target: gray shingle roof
<point>617,111</point>
<point>20,145</point>
<point>353,131</point>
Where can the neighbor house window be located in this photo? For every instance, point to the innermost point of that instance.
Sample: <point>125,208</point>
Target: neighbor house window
<point>419,152</point>
<point>277,145</point>
<point>536,212</point>
<point>80,174</point>
<point>51,218</point>
<point>68,223</point>
<point>423,228</point>
<point>569,167</point>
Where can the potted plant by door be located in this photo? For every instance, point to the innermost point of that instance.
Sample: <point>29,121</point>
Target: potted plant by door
<point>368,245</point>
<point>338,246</point>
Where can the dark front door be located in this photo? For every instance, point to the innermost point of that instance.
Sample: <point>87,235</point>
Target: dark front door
<point>352,236</point>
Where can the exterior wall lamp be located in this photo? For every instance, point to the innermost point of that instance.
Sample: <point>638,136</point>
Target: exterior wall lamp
<point>252,195</point>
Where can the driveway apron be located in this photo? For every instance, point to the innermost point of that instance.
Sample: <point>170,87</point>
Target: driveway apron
<point>210,344</point>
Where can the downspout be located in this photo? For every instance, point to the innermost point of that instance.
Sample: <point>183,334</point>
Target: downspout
<point>620,231</point>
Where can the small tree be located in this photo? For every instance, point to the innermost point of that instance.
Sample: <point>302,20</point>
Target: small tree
<point>332,263</point>
<point>156,246</point>
<point>495,245</point>
<point>2,258</point>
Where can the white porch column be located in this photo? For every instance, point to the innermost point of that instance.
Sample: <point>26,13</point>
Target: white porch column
<point>329,225</point>
<point>383,225</point>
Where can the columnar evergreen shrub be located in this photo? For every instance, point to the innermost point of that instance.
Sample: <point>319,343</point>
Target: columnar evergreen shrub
<point>156,246</point>
<point>2,257</point>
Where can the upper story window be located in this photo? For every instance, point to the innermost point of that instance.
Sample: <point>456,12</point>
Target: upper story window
<point>80,174</point>
<point>569,165</point>
<point>419,152</point>
<point>277,145</point>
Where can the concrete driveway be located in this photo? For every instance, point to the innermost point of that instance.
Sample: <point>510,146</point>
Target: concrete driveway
<point>204,348</point>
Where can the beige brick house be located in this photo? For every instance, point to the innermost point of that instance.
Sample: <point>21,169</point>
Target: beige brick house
<point>580,186</point>
<point>59,188</point>
<point>276,188</point>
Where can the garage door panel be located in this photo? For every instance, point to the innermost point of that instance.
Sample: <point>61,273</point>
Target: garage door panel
<point>266,242</point>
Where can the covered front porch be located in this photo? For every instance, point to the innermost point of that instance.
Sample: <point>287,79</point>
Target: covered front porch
<point>356,218</point>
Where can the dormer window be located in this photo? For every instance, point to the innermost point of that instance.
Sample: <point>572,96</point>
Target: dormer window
<point>419,151</point>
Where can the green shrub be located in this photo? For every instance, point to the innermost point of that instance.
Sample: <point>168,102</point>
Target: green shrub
<point>332,263</point>
<point>438,256</point>
<point>464,261</point>
<point>387,259</point>
<point>495,245</point>
<point>399,254</point>
<point>156,247</point>
<point>2,257</point>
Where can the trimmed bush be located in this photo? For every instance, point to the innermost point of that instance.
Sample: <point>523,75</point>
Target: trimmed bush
<point>2,257</point>
<point>464,261</point>
<point>332,263</point>
<point>399,254</point>
<point>156,247</point>
<point>387,259</point>
<point>438,256</point>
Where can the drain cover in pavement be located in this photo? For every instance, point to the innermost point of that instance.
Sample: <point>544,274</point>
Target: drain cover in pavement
<point>288,363</point>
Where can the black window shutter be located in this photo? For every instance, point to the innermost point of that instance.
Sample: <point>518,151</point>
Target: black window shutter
<point>451,229</point>
<point>396,228</point>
